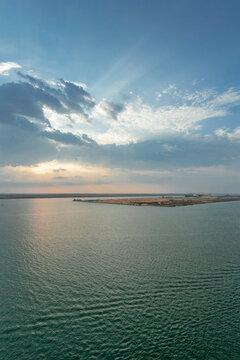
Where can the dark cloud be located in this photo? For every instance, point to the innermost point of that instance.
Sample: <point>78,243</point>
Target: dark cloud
<point>166,153</point>
<point>35,81</point>
<point>21,106</point>
<point>76,94</point>
<point>72,97</point>
<point>58,182</point>
<point>18,100</point>
<point>59,177</point>
<point>21,147</point>
<point>113,109</point>
<point>67,138</point>
<point>181,151</point>
<point>26,134</point>
<point>22,123</point>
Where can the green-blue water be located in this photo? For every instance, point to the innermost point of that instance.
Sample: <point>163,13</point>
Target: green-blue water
<point>95,281</point>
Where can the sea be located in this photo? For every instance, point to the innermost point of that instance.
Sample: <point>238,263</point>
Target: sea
<point>99,281</point>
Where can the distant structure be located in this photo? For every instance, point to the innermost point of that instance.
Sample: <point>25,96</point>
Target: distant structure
<point>196,195</point>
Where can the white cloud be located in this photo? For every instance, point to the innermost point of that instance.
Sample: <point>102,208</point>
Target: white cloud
<point>139,120</point>
<point>100,111</point>
<point>230,96</point>
<point>63,121</point>
<point>113,136</point>
<point>199,96</point>
<point>171,89</point>
<point>172,118</point>
<point>6,66</point>
<point>232,135</point>
<point>169,148</point>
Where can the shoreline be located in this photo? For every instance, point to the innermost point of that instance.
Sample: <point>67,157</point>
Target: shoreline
<point>164,201</point>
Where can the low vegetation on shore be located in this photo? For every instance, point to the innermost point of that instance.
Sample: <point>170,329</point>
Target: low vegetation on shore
<point>164,201</point>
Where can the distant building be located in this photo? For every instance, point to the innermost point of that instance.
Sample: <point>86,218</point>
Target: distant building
<point>196,195</point>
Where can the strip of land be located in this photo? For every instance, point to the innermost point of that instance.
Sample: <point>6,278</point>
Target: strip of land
<point>164,201</point>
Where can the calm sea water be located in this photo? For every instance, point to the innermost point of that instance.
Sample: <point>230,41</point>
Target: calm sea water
<point>97,281</point>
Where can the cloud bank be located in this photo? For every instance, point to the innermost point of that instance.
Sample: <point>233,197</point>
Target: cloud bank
<point>44,121</point>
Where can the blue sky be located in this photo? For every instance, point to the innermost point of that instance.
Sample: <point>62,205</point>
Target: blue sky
<point>119,96</point>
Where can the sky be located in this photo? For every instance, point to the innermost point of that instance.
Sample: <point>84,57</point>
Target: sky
<point>119,96</point>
